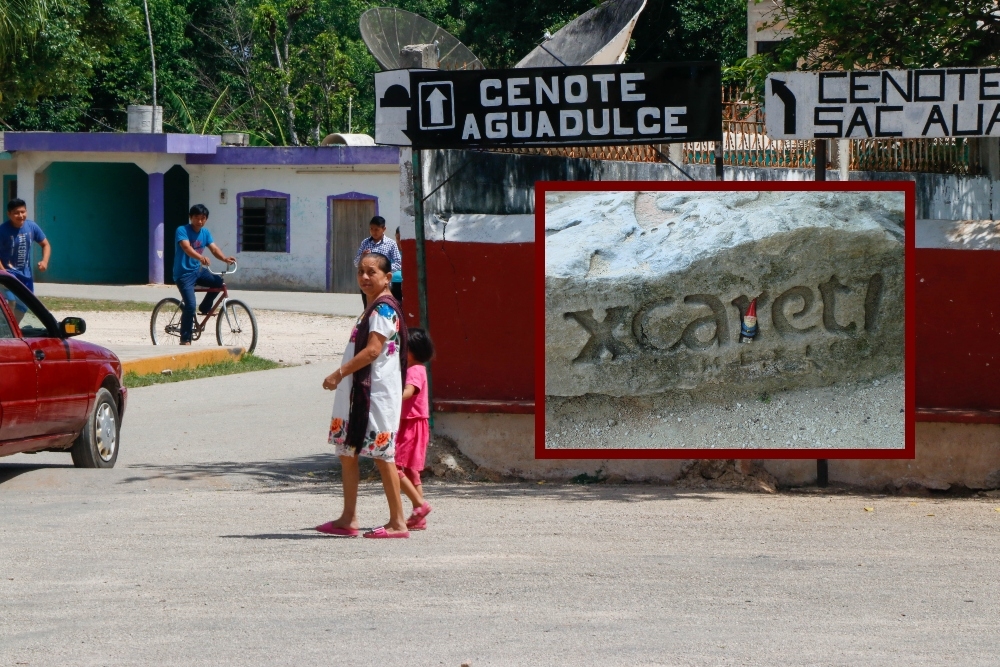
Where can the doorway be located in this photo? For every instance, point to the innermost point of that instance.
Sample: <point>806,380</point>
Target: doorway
<point>176,193</point>
<point>350,216</point>
<point>97,217</point>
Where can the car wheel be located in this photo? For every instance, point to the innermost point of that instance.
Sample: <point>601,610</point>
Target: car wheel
<point>97,445</point>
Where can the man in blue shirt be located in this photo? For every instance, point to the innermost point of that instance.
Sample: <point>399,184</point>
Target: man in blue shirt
<point>16,235</point>
<point>190,267</point>
<point>378,242</point>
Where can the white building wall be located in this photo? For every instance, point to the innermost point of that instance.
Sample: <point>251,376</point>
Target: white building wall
<point>762,25</point>
<point>305,267</point>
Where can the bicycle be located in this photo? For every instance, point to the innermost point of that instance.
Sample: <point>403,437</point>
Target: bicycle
<point>235,327</point>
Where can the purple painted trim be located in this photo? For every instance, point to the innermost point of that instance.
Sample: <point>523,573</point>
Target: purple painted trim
<point>111,142</point>
<point>263,193</point>
<point>299,155</point>
<point>156,219</point>
<point>329,229</point>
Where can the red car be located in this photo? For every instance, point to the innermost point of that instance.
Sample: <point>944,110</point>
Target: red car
<point>56,393</point>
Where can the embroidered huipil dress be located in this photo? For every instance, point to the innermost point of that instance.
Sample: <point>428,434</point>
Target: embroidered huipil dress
<point>386,391</point>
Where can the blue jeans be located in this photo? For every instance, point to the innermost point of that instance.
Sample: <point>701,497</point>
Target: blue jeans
<point>186,284</point>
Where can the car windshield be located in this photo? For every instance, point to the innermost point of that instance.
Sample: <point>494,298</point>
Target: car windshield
<point>31,324</point>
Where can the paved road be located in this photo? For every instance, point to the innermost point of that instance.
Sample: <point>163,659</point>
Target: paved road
<point>322,303</point>
<point>195,550</point>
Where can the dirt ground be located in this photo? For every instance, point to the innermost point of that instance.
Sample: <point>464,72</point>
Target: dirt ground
<point>290,338</point>
<point>850,415</point>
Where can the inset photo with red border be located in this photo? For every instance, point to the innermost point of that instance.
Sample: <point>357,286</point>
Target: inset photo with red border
<point>724,320</point>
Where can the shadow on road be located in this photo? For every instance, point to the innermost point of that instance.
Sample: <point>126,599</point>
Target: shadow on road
<point>320,473</point>
<point>275,475</point>
<point>9,471</point>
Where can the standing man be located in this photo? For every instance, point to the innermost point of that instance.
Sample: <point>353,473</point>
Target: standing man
<point>16,235</point>
<point>190,267</point>
<point>378,242</point>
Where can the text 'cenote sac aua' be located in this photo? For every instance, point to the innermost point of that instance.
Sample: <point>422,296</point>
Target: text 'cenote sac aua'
<point>925,103</point>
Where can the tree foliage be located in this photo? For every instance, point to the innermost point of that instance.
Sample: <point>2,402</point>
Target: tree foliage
<point>286,71</point>
<point>877,34</point>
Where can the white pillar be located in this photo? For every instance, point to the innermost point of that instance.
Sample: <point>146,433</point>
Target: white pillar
<point>844,155</point>
<point>26,183</point>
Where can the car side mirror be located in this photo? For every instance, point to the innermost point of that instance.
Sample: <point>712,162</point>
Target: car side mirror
<point>72,326</point>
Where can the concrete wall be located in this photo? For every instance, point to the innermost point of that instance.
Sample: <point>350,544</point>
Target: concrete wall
<point>305,267</point>
<point>947,455</point>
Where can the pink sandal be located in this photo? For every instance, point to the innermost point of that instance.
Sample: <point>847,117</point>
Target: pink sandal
<point>417,524</point>
<point>330,529</point>
<point>419,515</point>
<point>381,533</point>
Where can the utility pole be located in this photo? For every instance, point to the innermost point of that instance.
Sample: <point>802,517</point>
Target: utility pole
<point>152,59</point>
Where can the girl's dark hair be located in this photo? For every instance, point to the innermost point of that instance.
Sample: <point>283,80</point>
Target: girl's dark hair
<point>420,345</point>
<point>384,265</point>
<point>198,209</point>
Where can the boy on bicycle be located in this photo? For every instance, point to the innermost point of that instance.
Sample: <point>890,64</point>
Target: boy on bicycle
<point>191,267</point>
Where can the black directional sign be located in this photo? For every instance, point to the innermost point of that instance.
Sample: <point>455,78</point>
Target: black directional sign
<point>557,106</point>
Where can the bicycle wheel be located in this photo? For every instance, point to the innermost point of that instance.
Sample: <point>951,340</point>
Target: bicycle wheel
<point>235,326</point>
<point>165,323</point>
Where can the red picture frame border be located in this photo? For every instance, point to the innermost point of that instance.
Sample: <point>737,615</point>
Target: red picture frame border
<point>909,363</point>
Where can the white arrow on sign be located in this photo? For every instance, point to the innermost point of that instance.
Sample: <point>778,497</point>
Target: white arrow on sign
<point>437,99</point>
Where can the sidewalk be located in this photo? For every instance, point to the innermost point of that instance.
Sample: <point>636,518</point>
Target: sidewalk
<point>320,303</point>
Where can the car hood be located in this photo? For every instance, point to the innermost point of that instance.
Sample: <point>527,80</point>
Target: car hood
<point>81,349</point>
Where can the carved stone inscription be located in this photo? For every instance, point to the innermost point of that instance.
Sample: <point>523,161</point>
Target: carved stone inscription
<point>645,292</point>
<point>824,331</point>
<point>713,330</point>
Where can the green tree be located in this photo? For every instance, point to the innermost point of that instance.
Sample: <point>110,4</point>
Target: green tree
<point>500,37</point>
<point>685,30</point>
<point>867,34</point>
<point>20,22</point>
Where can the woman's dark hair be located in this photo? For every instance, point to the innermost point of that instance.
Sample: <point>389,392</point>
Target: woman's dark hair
<point>384,265</point>
<point>420,345</point>
<point>198,209</point>
<point>15,203</point>
<point>377,220</point>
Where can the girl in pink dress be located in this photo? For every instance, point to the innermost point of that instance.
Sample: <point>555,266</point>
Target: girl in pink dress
<point>414,431</point>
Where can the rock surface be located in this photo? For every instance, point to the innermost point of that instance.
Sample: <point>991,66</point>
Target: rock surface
<point>645,291</point>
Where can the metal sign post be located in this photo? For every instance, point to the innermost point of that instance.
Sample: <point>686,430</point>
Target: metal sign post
<point>819,154</point>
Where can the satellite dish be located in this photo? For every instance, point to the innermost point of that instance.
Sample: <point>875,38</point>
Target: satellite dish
<point>599,37</point>
<point>386,30</point>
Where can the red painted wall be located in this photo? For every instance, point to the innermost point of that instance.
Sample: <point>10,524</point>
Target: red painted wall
<point>480,303</point>
<point>958,329</point>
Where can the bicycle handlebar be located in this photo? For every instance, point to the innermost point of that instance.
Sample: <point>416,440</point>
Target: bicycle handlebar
<point>227,271</point>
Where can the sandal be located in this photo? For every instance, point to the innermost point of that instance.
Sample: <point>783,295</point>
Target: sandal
<point>416,524</point>
<point>419,513</point>
<point>330,529</point>
<point>381,533</point>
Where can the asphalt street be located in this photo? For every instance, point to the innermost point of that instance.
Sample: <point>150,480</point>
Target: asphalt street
<point>196,550</point>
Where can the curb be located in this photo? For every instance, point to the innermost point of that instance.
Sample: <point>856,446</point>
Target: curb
<point>181,360</point>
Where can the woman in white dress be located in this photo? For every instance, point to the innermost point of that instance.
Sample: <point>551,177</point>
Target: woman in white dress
<point>368,403</point>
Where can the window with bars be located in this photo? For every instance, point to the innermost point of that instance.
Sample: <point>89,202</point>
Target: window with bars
<point>264,224</point>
